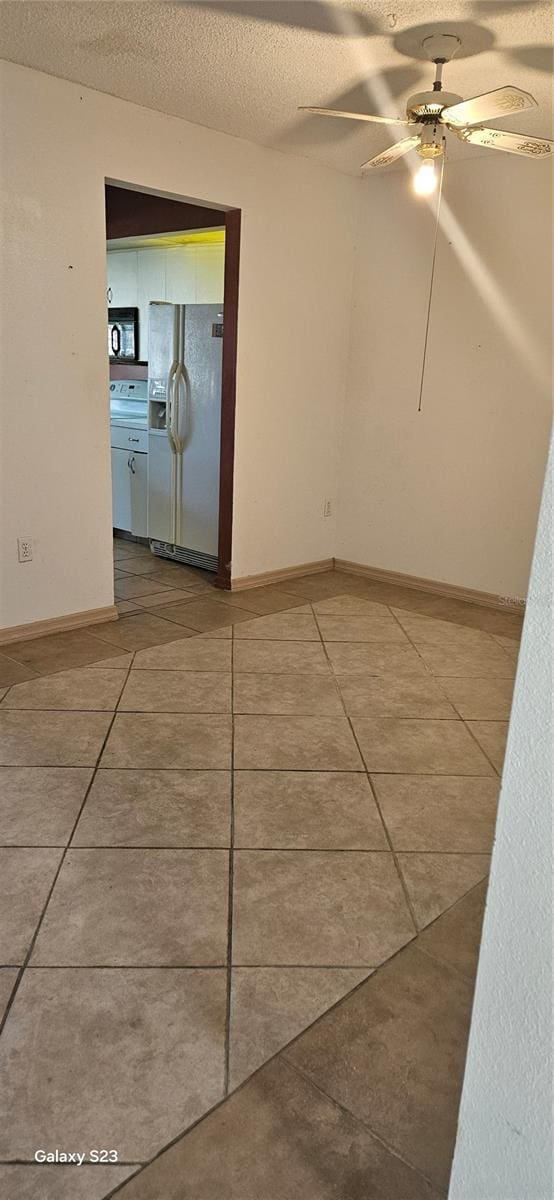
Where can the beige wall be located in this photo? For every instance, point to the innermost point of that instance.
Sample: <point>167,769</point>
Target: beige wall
<point>504,1147</point>
<point>450,493</point>
<point>60,142</point>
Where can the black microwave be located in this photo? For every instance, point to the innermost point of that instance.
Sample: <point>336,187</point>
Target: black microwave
<point>123,334</point>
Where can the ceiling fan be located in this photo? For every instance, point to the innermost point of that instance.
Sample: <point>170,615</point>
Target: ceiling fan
<point>437,111</point>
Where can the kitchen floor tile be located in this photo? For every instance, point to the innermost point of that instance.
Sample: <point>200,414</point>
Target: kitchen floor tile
<point>194,586</point>
<point>419,747</point>
<point>175,740</point>
<point>355,628</point>
<point>170,596</point>
<point>435,881</point>
<point>142,630</point>
<point>455,937</point>
<point>310,810</point>
<point>280,658</point>
<point>277,1139</point>
<point>375,658</point>
<point>53,739</point>
<point>147,564</point>
<point>370,695</point>
<point>316,587</point>
<point>125,548</point>
<point>8,976</point>
<point>348,606</point>
<point>430,630</point>
<point>296,625</point>
<point>438,812</point>
<point>260,600</point>
<point>223,631</point>
<point>177,574</point>
<point>157,808</point>
<point>61,651</point>
<point>196,654</point>
<point>13,672</point>
<point>52,1181</point>
<point>295,744</point>
<point>317,908</point>
<point>144,1059</point>
<point>480,699</point>
<point>135,586</point>
<point>203,614</point>
<point>26,876</point>
<point>488,619</point>
<point>139,907</point>
<point>468,662</point>
<point>125,607</point>
<point>491,736</point>
<point>271,1005</point>
<point>116,662</point>
<point>91,689</point>
<point>393,1055</point>
<point>308,694</point>
<point>39,805</point>
<point>177,691</point>
<point>509,644</point>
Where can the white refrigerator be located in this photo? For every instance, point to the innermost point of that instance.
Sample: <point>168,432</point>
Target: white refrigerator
<point>184,424</point>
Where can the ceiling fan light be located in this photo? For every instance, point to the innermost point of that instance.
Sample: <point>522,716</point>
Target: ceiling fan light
<point>425,179</point>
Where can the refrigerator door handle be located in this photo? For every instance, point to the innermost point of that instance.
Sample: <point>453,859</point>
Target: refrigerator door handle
<point>170,404</point>
<point>178,418</point>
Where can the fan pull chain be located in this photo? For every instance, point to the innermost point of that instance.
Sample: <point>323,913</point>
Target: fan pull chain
<point>423,365</point>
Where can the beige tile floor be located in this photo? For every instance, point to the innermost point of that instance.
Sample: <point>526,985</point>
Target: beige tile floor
<point>229,819</point>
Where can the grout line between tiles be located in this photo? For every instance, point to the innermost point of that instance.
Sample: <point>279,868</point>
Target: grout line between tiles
<point>281,1052</point>
<point>240,849</point>
<point>462,719</point>
<point>407,899</point>
<point>392,1150</point>
<point>57,872</point>
<point>265,770</point>
<point>222,966</point>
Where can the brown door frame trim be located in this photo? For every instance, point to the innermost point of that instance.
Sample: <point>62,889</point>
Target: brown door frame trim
<point>228,396</point>
<point>153,213</point>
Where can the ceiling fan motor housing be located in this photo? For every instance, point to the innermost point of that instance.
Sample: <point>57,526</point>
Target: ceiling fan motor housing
<point>426,107</point>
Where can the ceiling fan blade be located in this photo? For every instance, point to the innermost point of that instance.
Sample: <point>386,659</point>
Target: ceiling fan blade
<point>350,116</point>
<point>502,102</point>
<point>514,143</point>
<point>389,156</point>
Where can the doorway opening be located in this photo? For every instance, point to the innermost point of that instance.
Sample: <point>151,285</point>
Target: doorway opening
<point>172,298</point>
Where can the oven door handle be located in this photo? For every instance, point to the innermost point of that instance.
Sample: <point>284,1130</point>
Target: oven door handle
<point>116,339</point>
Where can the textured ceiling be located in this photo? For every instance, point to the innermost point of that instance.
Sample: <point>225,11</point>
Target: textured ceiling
<point>243,66</point>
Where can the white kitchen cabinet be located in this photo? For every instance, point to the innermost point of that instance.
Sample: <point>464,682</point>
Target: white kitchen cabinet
<point>180,275</point>
<point>122,272</point>
<point>121,489</point>
<point>150,286</point>
<point>188,274</point>
<point>129,491</point>
<point>209,274</point>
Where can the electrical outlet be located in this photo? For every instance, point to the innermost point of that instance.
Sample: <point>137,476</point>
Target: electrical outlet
<point>24,550</point>
<point>327,508</point>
